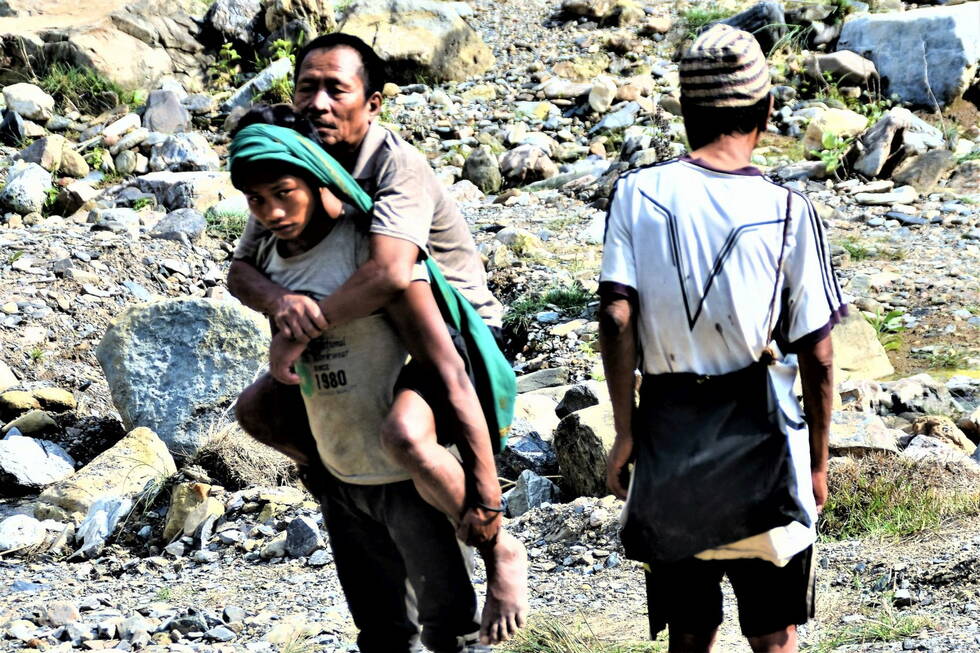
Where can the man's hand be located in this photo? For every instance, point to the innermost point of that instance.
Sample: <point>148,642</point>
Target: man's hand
<point>617,467</point>
<point>478,527</point>
<point>298,317</point>
<point>819,479</point>
<point>283,353</point>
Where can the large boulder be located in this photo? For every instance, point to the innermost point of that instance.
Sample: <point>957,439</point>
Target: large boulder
<point>100,48</point>
<point>764,20</point>
<point>858,354</point>
<point>860,433</point>
<point>420,36</point>
<point>189,190</point>
<point>122,472</point>
<point>184,152</point>
<point>27,188</point>
<point>482,169</point>
<point>29,101</point>
<point>842,123</point>
<point>924,56</point>
<point>55,154</point>
<point>171,365</point>
<point>943,428</point>
<point>165,113</point>
<point>28,465</point>
<point>897,135</point>
<point>237,20</point>
<point>582,442</point>
<point>243,95</point>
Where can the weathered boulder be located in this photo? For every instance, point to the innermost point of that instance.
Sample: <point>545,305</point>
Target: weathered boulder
<point>185,152</point>
<point>316,15</point>
<point>26,189</point>
<point>302,537</point>
<point>28,465</point>
<point>55,154</point>
<point>920,394</point>
<point>539,411</point>
<point>855,433</point>
<point>583,395</point>
<point>193,190</point>
<point>924,448</point>
<point>482,169</point>
<point>582,443</point>
<point>924,171</point>
<point>844,67</point>
<point>121,471</point>
<point>602,94</point>
<point>764,20</point>
<point>7,378</point>
<point>29,101</point>
<point>858,353</point>
<point>237,20</point>
<point>531,491</point>
<point>842,123</point>
<point>942,428</point>
<point>185,225</point>
<point>526,449</point>
<point>19,532</point>
<point>35,422</point>
<point>98,47</point>
<point>171,364</point>
<point>924,56</point>
<point>165,113</point>
<point>263,81</point>
<point>546,378</point>
<point>420,36</point>
<point>15,403</point>
<point>525,164</point>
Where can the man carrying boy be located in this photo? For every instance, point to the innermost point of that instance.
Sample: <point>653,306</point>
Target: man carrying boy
<point>338,84</point>
<point>705,262</point>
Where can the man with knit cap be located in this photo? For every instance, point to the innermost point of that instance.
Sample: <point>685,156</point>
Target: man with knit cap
<point>716,283</point>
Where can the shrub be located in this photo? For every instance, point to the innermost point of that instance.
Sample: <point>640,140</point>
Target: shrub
<point>226,225</point>
<point>84,88</point>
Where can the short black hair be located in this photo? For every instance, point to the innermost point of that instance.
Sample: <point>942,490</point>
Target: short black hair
<point>372,72</point>
<point>705,125</point>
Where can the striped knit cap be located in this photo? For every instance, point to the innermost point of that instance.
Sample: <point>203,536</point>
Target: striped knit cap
<point>725,67</point>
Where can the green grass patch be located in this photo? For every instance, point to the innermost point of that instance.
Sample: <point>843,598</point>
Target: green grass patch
<point>949,358</point>
<point>226,225</point>
<point>885,496</point>
<point>888,326</point>
<point>84,88</point>
<point>887,626</point>
<point>858,250</point>
<point>568,299</point>
<point>553,635</point>
<point>696,18</point>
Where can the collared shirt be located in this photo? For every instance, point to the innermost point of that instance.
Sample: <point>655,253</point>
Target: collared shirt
<point>410,203</point>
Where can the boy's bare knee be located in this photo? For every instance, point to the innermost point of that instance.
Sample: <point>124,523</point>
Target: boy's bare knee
<point>400,438</point>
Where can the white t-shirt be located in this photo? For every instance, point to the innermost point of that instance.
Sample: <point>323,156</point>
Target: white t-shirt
<point>697,250</point>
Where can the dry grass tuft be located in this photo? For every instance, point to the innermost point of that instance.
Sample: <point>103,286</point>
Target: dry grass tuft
<point>888,496</point>
<point>236,461</point>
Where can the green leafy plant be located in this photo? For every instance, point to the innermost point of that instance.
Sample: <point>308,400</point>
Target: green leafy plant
<point>84,88</point>
<point>948,358</point>
<point>569,298</point>
<point>95,158</point>
<point>886,626</point>
<point>887,327</point>
<point>856,249</point>
<point>834,150</point>
<point>972,156</point>
<point>50,199</point>
<point>226,67</point>
<point>281,90</point>
<point>13,257</point>
<point>142,203</point>
<point>226,225</point>
<point>36,355</point>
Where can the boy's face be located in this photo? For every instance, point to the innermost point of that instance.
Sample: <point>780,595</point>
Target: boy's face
<point>284,205</point>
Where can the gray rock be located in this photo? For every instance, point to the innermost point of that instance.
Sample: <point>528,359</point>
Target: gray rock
<point>20,532</point>
<point>525,164</point>
<point>12,129</point>
<point>526,449</point>
<point>302,537</point>
<point>482,169</point>
<point>319,558</point>
<point>26,189</point>
<point>133,626</point>
<point>184,152</point>
<point>765,21</point>
<point>58,613</point>
<point>194,190</point>
<point>921,394</point>
<point>165,113</point>
<point>243,95</point>
<point>121,221</point>
<point>924,55</point>
<point>542,379</point>
<point>220,634</point>
<point>170,364</point>
<point>237,20</point>
<point>901,195</point>
<point>582,442</point>
<point>877,143</point>
<point>100,522</point>
<point>844,67</point>
<point>125,162</point>
<point>859,433</point>
<point>924,448</point>
<point>233,614</point>
<point>27,464</point>
<point>184,225</point>
<point>924,171</point>
<point>530,491</point>
<point>29,101</point>
<point>578,397</point>
<point>620,119</point>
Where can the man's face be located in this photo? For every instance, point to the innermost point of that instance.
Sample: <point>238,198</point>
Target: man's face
<point>330,92</point>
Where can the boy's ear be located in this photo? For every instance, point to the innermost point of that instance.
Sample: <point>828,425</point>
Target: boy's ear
<point>331,203</point>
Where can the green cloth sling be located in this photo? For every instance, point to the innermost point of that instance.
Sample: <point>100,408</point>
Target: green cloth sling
<point>496,384</point>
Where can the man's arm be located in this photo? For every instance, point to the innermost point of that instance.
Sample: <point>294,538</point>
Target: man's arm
<point>419,323</point>
<point>617,340</point>
<point>296,316</point>
<point>817,377</point>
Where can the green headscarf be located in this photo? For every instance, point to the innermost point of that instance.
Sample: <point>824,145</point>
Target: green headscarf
<point>262,142</point>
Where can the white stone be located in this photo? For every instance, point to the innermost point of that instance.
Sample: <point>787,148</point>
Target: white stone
<point>29,101</point>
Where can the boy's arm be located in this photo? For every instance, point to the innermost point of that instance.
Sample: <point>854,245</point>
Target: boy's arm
<point>817,378</point>
<point>617,341</point>
<point>423,331</point>
<point>297,316</point>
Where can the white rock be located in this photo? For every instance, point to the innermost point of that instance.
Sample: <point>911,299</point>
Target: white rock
<point>20,532</point>
<point>26,189</point>
<point>602,94</point>
<point>29,101</point>
<point>33,464</point>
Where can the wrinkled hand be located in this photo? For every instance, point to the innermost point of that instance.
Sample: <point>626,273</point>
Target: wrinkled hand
<point>617,467</point>
<point>819,479</point>
<point>283,353</point>
<point>299,317</point>
<point>478,526</point>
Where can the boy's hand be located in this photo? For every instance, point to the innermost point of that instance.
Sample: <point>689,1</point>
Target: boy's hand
<point>478,526</point>
<point>298,317</point>
<point>283,353</point>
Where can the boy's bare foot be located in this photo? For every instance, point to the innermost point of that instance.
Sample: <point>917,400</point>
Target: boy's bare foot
<point>505,609</point>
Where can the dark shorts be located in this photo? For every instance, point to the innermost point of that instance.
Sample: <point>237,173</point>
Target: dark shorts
<point>686,595</point>
<point>405,575</point>
<point>426,383</point>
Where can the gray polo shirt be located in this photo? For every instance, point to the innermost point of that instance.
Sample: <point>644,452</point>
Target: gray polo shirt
<point>410,203</point>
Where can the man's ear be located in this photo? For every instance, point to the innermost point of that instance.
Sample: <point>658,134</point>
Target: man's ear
<point>374,104</point>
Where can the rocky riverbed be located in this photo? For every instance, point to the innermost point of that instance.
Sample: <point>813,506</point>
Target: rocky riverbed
<point>117,217</point>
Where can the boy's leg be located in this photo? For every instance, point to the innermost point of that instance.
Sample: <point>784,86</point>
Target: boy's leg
<point>371,570</point>
<point>438,568</point>
<point>409,437</point>
<point>275,415</point>
<point>685,597</point>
